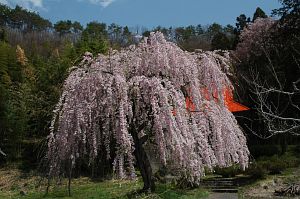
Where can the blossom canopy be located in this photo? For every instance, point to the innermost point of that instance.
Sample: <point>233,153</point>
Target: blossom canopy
<point>114,100</point>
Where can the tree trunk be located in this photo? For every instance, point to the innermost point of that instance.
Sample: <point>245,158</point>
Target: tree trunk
<point>70,178</point>
<point>283,144</point>
<point>143,162</point>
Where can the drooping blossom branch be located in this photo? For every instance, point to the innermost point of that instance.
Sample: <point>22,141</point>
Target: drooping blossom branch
<point>140,88</point>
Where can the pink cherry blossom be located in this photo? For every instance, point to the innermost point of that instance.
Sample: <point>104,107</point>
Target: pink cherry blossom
<point>140,86</point>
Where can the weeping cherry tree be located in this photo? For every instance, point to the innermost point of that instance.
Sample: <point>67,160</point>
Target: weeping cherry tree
<point>135,96</point>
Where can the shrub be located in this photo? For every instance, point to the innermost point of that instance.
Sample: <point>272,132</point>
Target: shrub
<point>256,171</point>
<point>276,164</point>
<point>228,171</point>
<point>276,167</point>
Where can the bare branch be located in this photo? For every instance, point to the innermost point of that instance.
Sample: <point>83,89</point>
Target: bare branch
<point>274,115</point>
<point>2,153</point>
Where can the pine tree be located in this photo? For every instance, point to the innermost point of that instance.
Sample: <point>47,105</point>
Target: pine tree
<point>259,13</point>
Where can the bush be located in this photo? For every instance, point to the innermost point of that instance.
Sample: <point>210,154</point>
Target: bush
<point>274,164</point>
<point>228,171</point>
<point>31,154</point>
<point>277,167</point>
<point>256,171</point>
<point>208,171</point>
<point>290,160</point>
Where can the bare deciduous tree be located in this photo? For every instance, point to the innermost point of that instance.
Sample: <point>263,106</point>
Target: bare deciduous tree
<point>274,113</point>
<point>275,97</point>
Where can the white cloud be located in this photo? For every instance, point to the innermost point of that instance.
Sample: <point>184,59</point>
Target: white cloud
<point>37,3</point>
<point>103,3</point>
<point>3,2</point>
<point>28,4</point>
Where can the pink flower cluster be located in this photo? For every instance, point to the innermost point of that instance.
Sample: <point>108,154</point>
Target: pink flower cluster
<point>254,38</point>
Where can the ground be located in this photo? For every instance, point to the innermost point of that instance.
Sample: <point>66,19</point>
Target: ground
<point>14,184</point>
<point>265,188</point>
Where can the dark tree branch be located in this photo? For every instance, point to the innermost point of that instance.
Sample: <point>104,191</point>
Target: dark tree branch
<point>144,139</point>
<point>2,153</point>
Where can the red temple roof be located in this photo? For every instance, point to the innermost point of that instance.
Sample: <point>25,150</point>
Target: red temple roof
<point>232,105</point>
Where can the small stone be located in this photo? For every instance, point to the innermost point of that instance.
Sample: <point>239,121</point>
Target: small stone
<point>88,54</point>
<point>265,187</point>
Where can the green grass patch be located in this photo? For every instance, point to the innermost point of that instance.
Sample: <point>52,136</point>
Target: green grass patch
<point>169,191</point>
<point>81,189</point>
<point>85,188</point>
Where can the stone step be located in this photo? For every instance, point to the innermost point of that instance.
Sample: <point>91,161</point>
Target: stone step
<point>219,184</point>
<point>218,180</point>
<point>225,190</point>
<point>223,186</point>
<point>212,180</point>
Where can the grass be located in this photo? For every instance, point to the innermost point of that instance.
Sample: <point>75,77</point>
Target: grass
<point>13,182</point>
<point>169,191</point>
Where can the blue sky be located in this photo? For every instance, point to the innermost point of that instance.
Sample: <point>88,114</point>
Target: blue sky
<point>147,13</point>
